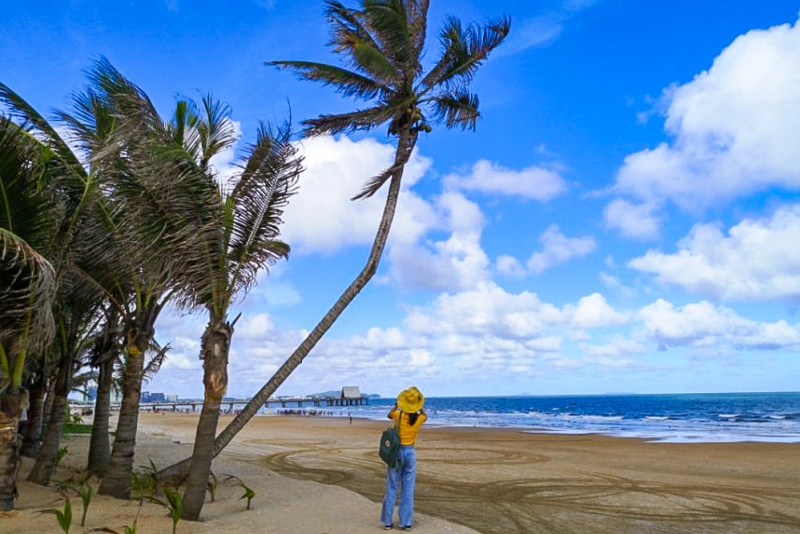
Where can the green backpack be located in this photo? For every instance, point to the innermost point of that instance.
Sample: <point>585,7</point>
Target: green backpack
<point>389,448</point>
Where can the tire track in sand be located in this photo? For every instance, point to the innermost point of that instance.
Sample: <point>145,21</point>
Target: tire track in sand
<point>583,502</point>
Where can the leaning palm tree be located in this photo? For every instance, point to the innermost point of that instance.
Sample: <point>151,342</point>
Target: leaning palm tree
<point>383,41</point>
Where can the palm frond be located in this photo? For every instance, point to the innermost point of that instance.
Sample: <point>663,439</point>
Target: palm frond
<point>344,81</point>
<point>268,180</point>
<point>19,108</point>
<point>353,35</point>
<point>376,182</point>
<point>361,120</point>
<point>457,108</point>
<point>464,50</point>
<point>183,128</point>
<point>127,101</point>
<point>27,291</point>
<point>29,206</point>
<point>91,123</point>
<point>388,20</point>
<point>157,355</point>
<point>417,11</point>
<point>29,212</point>
<point>351,21</point>
<point>215,128</point>
<point>350,33</point>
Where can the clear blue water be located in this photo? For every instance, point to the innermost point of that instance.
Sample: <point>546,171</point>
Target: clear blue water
<point>718,417</point>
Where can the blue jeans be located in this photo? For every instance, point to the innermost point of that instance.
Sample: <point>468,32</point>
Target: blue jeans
<point>404,474</point>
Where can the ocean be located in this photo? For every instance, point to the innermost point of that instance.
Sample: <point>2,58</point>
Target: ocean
<point>717,417</point>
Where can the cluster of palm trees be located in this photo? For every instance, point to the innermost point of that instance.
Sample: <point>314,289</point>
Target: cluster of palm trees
<point>114,212</point>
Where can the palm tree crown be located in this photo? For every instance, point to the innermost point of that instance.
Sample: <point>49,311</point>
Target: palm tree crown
<point>382,44</point>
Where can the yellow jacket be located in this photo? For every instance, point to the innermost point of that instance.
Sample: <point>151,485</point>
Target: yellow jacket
<point>407,431</point>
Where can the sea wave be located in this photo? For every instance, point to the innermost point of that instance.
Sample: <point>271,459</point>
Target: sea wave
<point>668,418</point>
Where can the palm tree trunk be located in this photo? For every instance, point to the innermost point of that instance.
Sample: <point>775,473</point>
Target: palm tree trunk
<point>117,479</point>
<point>178,472</point>
<point>49,398</point>
<point>32,441</point>
<point>51,440</point>
<point>216,346</point>
<point>9,453</point>
<point>100,445</point>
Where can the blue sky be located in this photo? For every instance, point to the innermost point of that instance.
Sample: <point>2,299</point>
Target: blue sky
<point>625,217</point>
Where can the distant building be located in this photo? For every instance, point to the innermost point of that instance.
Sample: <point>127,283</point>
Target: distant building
<point>157,397</point>
<point>351,395</point>
<point>145,397</point>
<point>172,398</point>
<point>351,392</point>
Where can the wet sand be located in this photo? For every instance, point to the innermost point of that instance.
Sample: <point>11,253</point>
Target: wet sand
<point>322,475</point>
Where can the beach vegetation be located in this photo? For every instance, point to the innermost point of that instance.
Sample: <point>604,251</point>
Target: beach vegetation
<point>60,455</point>
<point>144,483</point>
<point>87,264</point>
<point>236,228</point>
<point>47,241</point>
<point>126,529</point>
<point>248,494</point>
<point>84,490</point>
<point>64,515</point>
<point>73,424</point>
<point>173,502</point>
<point>213,482</point>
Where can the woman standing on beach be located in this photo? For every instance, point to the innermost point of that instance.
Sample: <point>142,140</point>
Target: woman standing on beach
<point>409,415</point>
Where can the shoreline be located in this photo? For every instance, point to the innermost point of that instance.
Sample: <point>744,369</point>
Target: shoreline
<point>322,474</point>
<point>700,437</point>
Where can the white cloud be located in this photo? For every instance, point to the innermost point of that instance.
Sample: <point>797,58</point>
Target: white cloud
<point>254,326</point>
<point>486,309</point>
<point>613,282</point>
<point>593,311</point>
<point>556,250</point>
<point>735,130</point>
<point>638,221</point>
<point>321,217</point>
<point>510,266</point>
<point>702,324</point>
<point>450,264</point>
<point>756,260</point>
<point>617,346</point>
<point>559,249</point>
<point>535,183</point>
<point>467,336</point>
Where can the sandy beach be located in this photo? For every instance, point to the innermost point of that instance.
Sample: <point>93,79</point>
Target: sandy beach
<point>322,476</point>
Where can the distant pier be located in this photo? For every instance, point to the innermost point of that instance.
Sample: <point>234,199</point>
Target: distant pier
<point>350,396</point>
<point>232,403</point>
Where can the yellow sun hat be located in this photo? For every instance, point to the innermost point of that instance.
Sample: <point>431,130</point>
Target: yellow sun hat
<point>410,400</point>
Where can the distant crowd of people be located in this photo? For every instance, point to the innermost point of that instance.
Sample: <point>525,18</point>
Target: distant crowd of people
<point>302,412</point>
